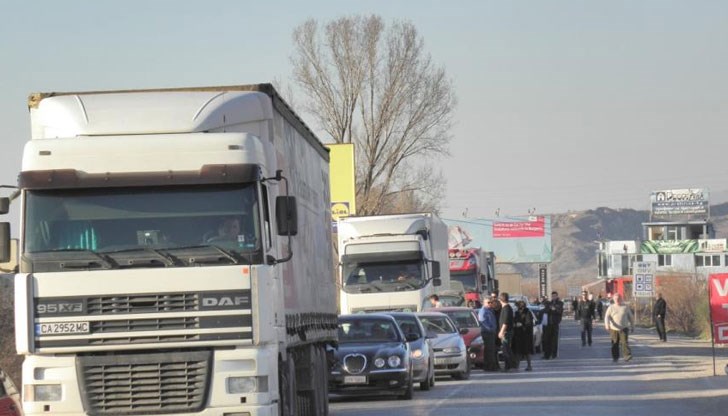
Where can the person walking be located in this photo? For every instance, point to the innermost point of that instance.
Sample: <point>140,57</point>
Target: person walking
<point>488,328</point>
<point>505,334</point>
<point>600,308</point>
<point>658,314</point>
<point>619,320</point>
<point>554,310</point>
<point>586,309</point>
<point>522,334</point>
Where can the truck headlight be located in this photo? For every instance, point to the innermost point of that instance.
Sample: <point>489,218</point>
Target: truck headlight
<point>238,385</point>
<point>394,361</point>
<point>43,392</point>
<point>379,362</point>
<point>451,350</point>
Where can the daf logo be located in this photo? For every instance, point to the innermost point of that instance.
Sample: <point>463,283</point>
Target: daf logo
<point>212,302</point>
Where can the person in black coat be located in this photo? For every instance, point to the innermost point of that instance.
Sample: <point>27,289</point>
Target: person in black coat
<point>586,310</point>
<point>554,310</point>
<point>522,334</point>
<point>658,314</point>
<point>505,333</point>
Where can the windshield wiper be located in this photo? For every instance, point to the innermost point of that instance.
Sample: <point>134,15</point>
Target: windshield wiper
<point>99,261</point>
<point>160,259</point>
<point>228,256</point>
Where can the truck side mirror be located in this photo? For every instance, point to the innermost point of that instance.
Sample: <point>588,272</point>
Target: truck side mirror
<point>286,215</point>
<point>4,205</point>
<point>435,269</point>
<point>4,242</point>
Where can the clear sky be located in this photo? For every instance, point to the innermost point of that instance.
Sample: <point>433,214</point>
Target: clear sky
<point>562,105</point>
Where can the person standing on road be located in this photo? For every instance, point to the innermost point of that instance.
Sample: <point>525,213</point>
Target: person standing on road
<point>619,320</point>
<point>658,314</point>
<point>554,310</point>
<point>600,307</point>
<point>505,323</point>
<point>488,328</point>
<point>522,334</point>
<point>586,308</point>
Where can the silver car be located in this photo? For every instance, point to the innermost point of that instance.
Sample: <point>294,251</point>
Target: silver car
<point>451,356</point>
<point>422,353</point>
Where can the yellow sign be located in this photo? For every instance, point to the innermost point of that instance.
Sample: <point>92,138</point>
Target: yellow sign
<point>342,178</point>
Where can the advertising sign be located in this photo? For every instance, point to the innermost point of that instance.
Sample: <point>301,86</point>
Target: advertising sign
<point>533,227</point>
<point>644,279</point>
<point>543,285</point>
<point>716,245</point>
<point>718,290</point>
<point>693,202</point>
<point>669,246</point>
<point>513,240</point>
<point>342,180</point>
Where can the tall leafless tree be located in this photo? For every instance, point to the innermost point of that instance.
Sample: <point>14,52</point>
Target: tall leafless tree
<point>375,86</point>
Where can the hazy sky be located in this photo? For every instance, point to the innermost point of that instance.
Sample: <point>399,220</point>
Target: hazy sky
<point>562,104</point>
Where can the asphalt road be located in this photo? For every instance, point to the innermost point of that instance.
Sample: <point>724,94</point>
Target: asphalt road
<point>673,378</point>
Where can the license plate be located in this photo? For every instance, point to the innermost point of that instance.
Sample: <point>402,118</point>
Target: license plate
<point>355,379</point>
<point>440,361</point>
<point>62,328</point>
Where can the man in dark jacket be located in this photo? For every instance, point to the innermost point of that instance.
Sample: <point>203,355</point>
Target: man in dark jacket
<point>658,314</point>
<point>586,308</point>
<point>505,334</point>
<point>554,310</point>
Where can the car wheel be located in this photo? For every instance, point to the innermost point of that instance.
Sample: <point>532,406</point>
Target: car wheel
<point>465,374</point>
<point>425,384</point>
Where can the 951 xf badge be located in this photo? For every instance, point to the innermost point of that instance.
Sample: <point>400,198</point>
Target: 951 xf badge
<point>62,328</point>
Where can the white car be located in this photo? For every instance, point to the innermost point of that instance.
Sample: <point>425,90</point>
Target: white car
<point>451,355</point>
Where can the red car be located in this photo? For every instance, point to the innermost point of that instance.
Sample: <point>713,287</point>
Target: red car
<point>8,407</point>
<point>467,318</point>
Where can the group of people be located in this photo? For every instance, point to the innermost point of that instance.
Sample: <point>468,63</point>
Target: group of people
<point>510,331</point>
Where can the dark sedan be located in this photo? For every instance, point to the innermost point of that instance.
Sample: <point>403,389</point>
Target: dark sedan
<point>373,357</point>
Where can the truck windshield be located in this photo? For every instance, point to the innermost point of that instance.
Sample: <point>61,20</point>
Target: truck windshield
<point>468,279</point>
<point>72,229</point>
<point>365,277</point>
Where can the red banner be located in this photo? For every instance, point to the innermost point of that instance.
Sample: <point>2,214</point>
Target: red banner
<point>519,229</point>
<point>719,306</point>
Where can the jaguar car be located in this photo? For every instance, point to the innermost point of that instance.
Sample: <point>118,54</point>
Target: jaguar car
<point>373,357</point>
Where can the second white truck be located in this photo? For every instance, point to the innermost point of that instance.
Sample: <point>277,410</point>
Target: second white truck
<point>391,262</point>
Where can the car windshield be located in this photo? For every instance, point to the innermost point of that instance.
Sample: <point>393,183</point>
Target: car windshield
<point>437,324</point>
<point>367,330</point>
<point>373,277</point>
<point>463,319</point>
<point>142,226</point>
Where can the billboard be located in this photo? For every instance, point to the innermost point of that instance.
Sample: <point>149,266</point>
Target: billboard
<point>669,246</point>
<point>718,290</point>
<point>525,239</point>
<point>691,203</point>
<point>342,179</point>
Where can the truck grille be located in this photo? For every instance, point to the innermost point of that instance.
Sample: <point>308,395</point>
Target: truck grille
<point>145,325</point>
<point>171,302</point>
<point>145,383</point>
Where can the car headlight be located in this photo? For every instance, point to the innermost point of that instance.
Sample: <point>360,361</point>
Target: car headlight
<point>43,392</point>
<point>417,354</point>
<point>451,350</point>
<point>239,385</point>
<point>379,362</point>
<point>394,361</point>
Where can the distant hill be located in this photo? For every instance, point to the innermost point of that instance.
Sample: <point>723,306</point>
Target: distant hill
<point>575,236</point>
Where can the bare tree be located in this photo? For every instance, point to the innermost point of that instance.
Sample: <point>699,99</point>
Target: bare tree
<point>375,86</point>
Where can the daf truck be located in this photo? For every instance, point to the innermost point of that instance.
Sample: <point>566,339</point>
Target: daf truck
<point>391,262</point>
<point>175,255</point>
